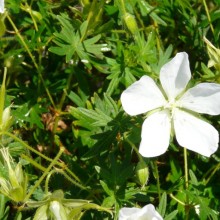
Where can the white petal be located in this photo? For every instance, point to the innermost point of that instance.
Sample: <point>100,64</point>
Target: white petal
<point>151,213</point>
<point>195,134</point>
<point>148,212</point>
<point>142,96</point>
<point>58,210</point>
<point>175,75</point>
<point>128,213</point>
<point>55,209</point>
<point>203,98</point>
<point>155,134</point>
<point>1,6</point>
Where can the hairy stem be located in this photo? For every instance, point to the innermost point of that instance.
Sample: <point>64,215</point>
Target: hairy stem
<point>186,184</point>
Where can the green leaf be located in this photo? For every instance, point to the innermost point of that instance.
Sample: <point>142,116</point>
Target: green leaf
<point>109,201</point>
<point>193,178</point>
<point>4,210</point>
<point>163,204</point>
<point>35,118</point>
<point>71,41</point>
<point>106,188</point>
<point>111,105</point>
<point>147,9</point>
<point>76,99</point>
<point>99,117</point>
<point>113,85</point>
<point>83,120</point>
<point>105,139</point>
<point>171,216</point>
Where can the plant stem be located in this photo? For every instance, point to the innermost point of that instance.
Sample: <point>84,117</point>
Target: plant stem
<point>122,6</point>
<point>62,100</point>
<point>33,162</point>
<point>213,171</point>
<point>32,58</point>
<point>22,41</point>
<point>208,16</point>
<point>134,148</point>
<point>154,166</point>
<point>179,201</point>
<point>46,186</point>
<point>2,96</point>
<point>156,173</point>
<point>62,149</point>
<point>186,184</point>
<point>62,165</point>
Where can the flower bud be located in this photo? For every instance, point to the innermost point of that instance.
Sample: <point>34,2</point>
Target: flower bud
<point>58,211</point>
<point>41,213</point>
<point>130,22</point>
<point>142,173</point>
<point>15,184</point>
<point>6,119</point>
<point>214,55</point>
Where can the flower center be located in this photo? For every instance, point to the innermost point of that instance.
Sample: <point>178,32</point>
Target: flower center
<point>170,105</point>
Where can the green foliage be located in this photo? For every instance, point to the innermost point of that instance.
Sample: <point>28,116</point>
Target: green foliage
<point>70,43</point>
<point>67,64</point>
<point>4,209</point>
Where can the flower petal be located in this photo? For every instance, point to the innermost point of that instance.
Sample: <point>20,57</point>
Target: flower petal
<point>202,98</point>
<point>58,210</point>
<point>128,213</point>
<point>148,212</point>
<point>2,6</point>
<point>142,96</point>
<point>195,134</point>
<point>175,75</point>
<point>155,134</point>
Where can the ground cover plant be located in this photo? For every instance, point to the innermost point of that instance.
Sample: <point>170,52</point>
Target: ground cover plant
<point>109,109</point>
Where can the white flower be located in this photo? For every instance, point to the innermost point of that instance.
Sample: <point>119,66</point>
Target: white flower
<point>197,209</point>
<point>176,110</point>
<point>2,6</point>
<point>148,212</point>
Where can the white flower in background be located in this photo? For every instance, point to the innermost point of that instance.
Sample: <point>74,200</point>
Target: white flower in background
<point>148,212</point>
<point>197,209</point>
<point>176,110</point>
<point>2,6</point>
